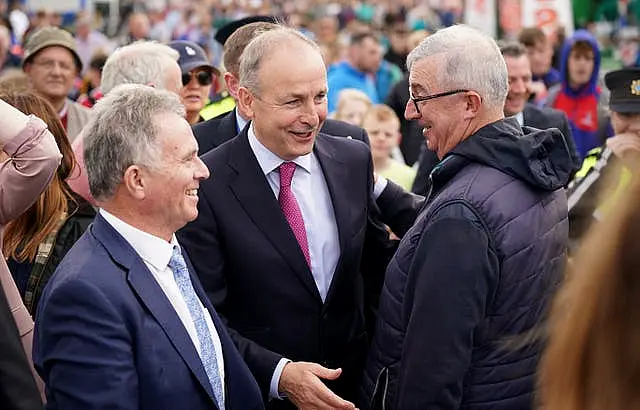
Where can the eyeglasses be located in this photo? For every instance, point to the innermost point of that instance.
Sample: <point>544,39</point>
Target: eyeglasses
<point>417,100</point>
<point>204,77</point>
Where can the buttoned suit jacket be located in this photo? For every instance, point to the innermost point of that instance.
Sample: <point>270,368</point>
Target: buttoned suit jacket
<point>107,335</point>
<point>255,273</point>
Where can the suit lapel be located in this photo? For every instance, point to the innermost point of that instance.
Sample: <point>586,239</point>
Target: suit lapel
<point>530,118</point>
<point>254,194</point>
<point>152,296</point>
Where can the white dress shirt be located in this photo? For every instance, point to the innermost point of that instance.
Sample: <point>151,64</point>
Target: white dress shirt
<point>312,193</point>
<point>520,118</point>
<point>156,254</point>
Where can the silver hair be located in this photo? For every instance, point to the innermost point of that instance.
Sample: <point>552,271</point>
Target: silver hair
<point>264,45</point>
<point>142,62</point>
<point>122,132</point>
<point>472,61</point>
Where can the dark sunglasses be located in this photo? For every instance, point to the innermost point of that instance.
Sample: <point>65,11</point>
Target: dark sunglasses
<point>203,77</point>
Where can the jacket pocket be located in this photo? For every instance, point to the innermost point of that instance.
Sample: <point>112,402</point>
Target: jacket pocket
<point>379,396</point>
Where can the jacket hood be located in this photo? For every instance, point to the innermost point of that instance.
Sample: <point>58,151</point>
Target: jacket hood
<point>539,157</point>
<point>580,35</point>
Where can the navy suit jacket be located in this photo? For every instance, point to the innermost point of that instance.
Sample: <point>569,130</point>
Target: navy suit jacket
<point>252,268</point>
<point>107,337</point>
<point>218,130</point>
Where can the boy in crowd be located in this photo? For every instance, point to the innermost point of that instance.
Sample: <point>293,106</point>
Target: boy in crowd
<point>540,52</point>
<point>383,126</point>
<point>578,94</point>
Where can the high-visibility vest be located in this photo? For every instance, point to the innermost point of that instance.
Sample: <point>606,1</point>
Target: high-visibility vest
<point>218,108</point>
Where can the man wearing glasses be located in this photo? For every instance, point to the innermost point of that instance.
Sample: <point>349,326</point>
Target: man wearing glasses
<point>51,63</point>
<point>482,260</point>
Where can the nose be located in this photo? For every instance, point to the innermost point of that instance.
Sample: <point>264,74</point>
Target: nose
<point>311,114</point>
<point>201,171</point>
<point>518,86</point>
<point>410,112</point>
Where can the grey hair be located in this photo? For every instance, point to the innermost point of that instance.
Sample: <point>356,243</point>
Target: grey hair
<point>472,61</point>
<point>122,132</point>
<point>142,62</point>
<point>510,48</point>
<point>262,46</point>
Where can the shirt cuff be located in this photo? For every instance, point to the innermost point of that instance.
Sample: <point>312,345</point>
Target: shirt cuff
<point>379,186</point>
<point>275,380</point>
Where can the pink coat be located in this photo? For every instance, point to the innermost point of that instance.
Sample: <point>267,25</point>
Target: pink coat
<point>33,159</point>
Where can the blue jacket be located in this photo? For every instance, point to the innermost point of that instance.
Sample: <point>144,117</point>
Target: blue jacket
<point>107,337</point>
<point>474,273</point>
<point>341,76</point>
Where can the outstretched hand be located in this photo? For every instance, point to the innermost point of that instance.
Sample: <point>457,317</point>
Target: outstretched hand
<point>301,383</point>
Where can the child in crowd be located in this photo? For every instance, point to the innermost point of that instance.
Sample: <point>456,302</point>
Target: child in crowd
<point>352,106</point>
<point>383,126</point>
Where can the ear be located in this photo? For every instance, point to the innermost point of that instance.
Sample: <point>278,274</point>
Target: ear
<point>134,182</point>
<point>245,102</point>
<point>231,83</point>
<point>473,104</point>
<point>27,68</point>
<point>398,138</point>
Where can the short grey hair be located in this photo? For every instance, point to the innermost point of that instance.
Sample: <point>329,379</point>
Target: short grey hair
<point>472,61</point>
<point>264,45</point>
<point>142,62</point>
<point>122,132</point>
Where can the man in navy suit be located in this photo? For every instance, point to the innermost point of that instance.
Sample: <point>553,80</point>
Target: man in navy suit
<point>216,131</point>
<point>124,322</point>
<point>283,227</point>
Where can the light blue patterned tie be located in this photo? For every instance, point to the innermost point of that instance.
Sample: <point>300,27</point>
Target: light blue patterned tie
<point>207,351</point>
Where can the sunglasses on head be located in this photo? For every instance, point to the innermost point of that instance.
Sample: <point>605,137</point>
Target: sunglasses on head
<point>203,77</point>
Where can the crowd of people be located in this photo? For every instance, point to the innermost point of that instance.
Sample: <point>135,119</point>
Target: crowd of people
<point>363,206</point>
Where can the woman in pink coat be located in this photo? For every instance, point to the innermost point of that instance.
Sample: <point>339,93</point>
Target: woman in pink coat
<point>29,157</point>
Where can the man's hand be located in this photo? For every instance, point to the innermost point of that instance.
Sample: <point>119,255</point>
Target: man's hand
<point>300,381</point>
<point>626,146</point>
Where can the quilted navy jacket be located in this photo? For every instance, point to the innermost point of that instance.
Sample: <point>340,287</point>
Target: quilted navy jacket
<point>473,275</point>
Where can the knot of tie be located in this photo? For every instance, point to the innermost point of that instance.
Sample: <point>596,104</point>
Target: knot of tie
<point>286,173</point>
<point>176,258</point>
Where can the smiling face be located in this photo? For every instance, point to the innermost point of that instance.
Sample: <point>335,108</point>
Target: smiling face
<point>171,191</point>
<point>519,72</point>
<point>442,118</point>
<point>291,104</point>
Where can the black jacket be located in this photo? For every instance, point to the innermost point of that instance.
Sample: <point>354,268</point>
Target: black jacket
<point>477,269</point>
<point>18,390</point>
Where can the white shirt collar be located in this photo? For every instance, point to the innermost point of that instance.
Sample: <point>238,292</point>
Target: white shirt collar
<point>520,117</point>
<point>268,160</point>
<point>153,250</point>
<point>240,122</point>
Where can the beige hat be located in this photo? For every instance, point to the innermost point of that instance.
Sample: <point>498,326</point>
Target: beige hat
<point>48,37</point>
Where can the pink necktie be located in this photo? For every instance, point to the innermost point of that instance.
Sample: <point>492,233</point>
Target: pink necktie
<point>290,208</point>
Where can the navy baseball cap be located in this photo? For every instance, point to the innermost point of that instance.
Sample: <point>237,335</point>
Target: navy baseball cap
<point>191,56</point>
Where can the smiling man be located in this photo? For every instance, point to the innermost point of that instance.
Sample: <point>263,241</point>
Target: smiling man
<point>516,105</point>
<point>486,250</point>
<point>282,231</point>
<point>124,322</point>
